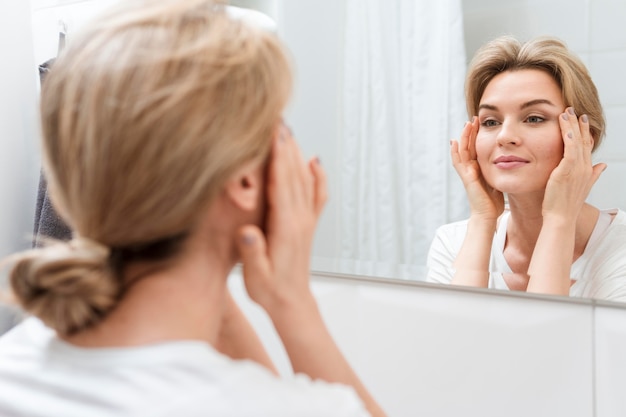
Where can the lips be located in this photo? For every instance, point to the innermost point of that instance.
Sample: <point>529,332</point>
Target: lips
<point>510,161</point>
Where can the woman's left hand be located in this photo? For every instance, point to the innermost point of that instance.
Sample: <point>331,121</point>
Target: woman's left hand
<point>572,180</point>
<point>276,262</point>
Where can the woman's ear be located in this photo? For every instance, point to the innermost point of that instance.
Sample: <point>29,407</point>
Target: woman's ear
<point>245,187</point>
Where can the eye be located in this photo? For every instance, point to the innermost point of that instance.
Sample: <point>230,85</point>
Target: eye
<point>489,123</point>
<point>535,119</point>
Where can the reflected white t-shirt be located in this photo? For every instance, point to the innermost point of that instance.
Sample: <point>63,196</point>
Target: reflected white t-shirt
<point>600,272</point>
<point>40,375</point>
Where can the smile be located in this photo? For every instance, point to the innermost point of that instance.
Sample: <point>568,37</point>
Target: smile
<point>509,162</point>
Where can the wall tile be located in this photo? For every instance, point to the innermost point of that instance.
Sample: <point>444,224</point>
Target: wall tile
<point>606,27</point>
<point>610,362</point>
<point>485,20</point>
<point>607,68</point>
<point>613,147</point>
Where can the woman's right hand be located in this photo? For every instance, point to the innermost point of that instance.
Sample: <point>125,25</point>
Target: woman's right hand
<point>485,201</point>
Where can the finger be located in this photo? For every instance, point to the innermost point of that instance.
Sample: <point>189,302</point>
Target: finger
<point>464,143</point>
<point>570,151</point>
<point>585,132</point>
<point>454,153</point>
<point>300,182</point>
<point>320,185</point>
<point>598,169</point>
<point>278,195</point>
<point>573,120</point>
<point>578,137</point>
<point>472,137</point>
<point>253,254</point>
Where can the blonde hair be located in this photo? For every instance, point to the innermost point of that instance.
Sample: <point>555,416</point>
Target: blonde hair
<point>544,53</point>
<point>144,116</point>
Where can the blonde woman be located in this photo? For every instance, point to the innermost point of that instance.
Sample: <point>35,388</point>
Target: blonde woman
<point>166,154</point>
<point>536,119</point>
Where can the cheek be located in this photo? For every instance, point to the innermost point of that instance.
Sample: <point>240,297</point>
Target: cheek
<point>483,148</point>
<point>554,148</point>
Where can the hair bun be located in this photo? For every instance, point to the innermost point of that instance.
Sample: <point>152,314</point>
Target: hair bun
<point>68,285</point>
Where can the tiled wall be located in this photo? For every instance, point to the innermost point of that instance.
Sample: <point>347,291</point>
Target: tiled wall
<point>435,351</point>
<point>592,28</point>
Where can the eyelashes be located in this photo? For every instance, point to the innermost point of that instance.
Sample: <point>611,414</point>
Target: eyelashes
<point>533,119</point>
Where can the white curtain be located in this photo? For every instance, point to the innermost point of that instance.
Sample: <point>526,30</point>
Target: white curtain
<point>403,101</point>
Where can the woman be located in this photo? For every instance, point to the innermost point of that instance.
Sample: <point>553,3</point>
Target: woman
<point>166,155</point>
<point>536,120</point>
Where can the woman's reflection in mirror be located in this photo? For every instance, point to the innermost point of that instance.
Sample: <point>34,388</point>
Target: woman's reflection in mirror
<point>525,159</point>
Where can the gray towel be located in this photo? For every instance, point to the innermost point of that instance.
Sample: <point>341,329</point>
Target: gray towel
<point>48,224</point>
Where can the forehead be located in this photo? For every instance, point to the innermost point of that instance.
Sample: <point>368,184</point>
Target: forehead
<point>521,86</point>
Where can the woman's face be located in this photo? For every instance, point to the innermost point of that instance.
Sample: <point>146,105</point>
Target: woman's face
<point>519,140</point>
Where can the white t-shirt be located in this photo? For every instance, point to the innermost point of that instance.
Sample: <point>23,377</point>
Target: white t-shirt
<point>600,272</point>
<point>41,375</point>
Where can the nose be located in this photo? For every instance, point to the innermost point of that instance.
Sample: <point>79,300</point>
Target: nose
<point>508,134</point>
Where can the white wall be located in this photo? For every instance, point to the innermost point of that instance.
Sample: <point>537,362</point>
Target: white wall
<point>594,30</point>
<point>19,154</point>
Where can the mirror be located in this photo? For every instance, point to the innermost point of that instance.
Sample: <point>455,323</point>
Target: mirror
<point>357,79</point>
<point>379,93</point>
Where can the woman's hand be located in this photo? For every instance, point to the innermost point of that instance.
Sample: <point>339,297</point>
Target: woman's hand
<point>276,267</point>
<point>485,202</point>
<point>566,191</point>
<point>571,181</point>
<point>276,264</point>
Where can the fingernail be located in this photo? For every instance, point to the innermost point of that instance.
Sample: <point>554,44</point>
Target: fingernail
<point>473,119</point>
<point>570,135</point>
<point>248,239</point>
<point>450,143</point>
<point>317,160</point>
<point>584,118</point>
<point>571,111</point>
<point>564,116</point>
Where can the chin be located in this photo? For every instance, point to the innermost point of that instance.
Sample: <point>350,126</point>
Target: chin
<point>517,185</point>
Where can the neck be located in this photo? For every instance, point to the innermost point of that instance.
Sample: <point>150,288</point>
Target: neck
<point>183,301</point>
<point>526,222</point>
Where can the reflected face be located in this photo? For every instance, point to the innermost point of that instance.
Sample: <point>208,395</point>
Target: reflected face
<point>519,141</point>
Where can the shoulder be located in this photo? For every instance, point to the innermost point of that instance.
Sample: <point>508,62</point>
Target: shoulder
<point>604,273</point>
<point>249,390</point>
<point>615,234</point>
<point>185,378</point>
<point>452,230</point>
<point>619,219</point>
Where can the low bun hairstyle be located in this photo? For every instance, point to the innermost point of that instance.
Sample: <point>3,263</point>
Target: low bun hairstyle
<point>543,53</point>
<point>145,114</point>
<point>68,285</point>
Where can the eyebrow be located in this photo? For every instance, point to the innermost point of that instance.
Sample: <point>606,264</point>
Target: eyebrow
<point>522,107</point>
